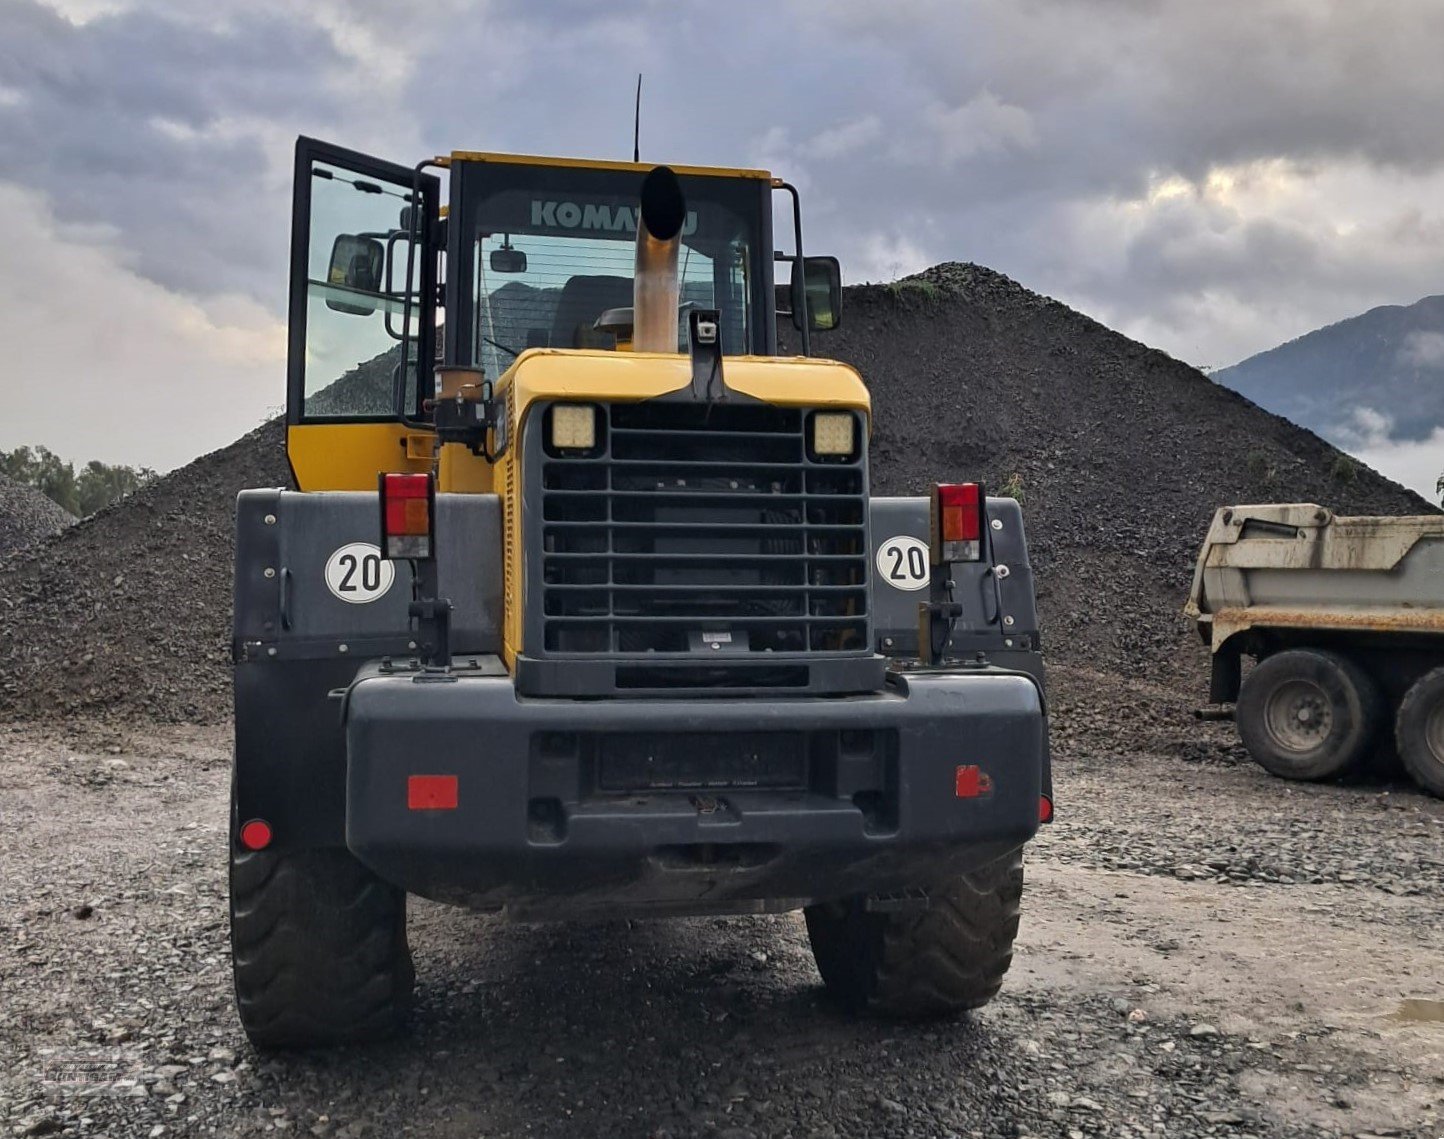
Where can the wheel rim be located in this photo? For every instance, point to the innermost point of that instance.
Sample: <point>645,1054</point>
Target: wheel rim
<point>1434,731</point>
<point>1299,716</point>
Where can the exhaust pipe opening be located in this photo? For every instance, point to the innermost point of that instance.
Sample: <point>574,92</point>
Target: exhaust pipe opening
<point>656,292</point>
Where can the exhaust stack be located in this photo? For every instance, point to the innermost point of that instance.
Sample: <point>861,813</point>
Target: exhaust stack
<point>656,291</point>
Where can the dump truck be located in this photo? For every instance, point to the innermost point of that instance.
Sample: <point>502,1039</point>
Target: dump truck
<point>1344,617</point>
<point>581,607</point>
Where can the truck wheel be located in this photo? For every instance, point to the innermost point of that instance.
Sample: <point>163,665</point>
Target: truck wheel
<point>928,963</point>
<point>318,948</point>
<point>1419,731</point>
<point>1308,714</point>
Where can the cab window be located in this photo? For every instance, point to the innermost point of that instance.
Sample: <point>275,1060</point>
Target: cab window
<point>552,259</point>
<point>359,339</point>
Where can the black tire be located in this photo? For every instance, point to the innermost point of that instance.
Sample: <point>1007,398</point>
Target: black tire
<point>926,963</point>
<point>1419,731</point>
<point>318,948</point>
<point>1308,714</point>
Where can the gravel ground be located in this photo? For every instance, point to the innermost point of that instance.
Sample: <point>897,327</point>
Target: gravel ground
<point>1205,951</point>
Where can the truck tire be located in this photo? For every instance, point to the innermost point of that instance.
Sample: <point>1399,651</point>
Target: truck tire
<point>1419,731</point>
<point>1308,714</point>
<point>318,948</point>
<point>927,963</point>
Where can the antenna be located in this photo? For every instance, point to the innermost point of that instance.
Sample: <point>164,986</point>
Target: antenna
<point>637,124</point>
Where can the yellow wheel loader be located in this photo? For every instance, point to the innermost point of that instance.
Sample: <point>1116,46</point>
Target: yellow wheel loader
<point>581,606</point>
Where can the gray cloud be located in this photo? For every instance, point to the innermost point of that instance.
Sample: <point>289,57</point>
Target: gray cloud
<point>157,128</point>
<point>1214,178</point>
<point>1422,350</point>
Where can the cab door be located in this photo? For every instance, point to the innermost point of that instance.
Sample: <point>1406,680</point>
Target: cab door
<point>362,318</point>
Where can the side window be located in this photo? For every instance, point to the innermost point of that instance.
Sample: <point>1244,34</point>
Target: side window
<point>359,284</point>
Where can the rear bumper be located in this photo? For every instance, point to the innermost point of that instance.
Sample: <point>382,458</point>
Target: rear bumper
<point>542,824</point>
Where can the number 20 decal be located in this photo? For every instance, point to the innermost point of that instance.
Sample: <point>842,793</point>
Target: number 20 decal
<point>358,573</point>
<point>902,562</point>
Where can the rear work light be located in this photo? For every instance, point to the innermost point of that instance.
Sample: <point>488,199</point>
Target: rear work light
<point>957,522</point>
<point>408,516</point>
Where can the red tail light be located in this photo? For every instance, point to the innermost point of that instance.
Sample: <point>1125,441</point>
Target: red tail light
<point>1045,809</point>
<point>958,510</point>
<point>408,515</point>
<point>256,834</point>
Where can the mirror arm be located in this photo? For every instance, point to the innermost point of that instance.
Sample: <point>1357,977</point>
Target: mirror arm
<point>391,239</point>
<point>799,286</point>
<point>417,230</point>
<point>778,255</point>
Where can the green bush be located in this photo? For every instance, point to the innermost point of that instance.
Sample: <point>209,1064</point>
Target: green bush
<point>96,486</point>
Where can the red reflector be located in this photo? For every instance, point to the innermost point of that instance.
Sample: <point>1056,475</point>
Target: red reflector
<point>256,834</point>
<point>971,781</point>
<point>960,511</point>
<point>431,792</point>
<point>1045,809</point>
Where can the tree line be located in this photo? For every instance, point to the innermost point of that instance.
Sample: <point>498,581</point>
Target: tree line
<point>83,492</point>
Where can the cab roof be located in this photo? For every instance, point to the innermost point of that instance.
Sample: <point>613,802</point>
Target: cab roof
<point>604,164</point>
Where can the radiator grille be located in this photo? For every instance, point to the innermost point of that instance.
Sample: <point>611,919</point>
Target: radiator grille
<point>703,531</point>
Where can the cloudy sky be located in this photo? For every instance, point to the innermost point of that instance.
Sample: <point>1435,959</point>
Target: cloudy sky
<point>1212,178</point>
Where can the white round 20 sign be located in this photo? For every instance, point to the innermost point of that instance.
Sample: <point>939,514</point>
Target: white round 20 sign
<point>902,562</point>
<point>358,573</point>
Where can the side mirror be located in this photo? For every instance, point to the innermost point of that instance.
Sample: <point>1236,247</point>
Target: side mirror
<point>508,260</point>
<point>817,292</point>
<point>356,263</point>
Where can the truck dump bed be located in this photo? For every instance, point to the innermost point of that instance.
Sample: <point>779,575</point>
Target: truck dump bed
<point>1299,566</point>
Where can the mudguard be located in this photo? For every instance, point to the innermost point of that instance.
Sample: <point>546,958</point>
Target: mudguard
<point>313,603</point>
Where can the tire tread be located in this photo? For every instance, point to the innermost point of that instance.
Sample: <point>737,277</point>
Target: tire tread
<point>1410,728</point>
<point>940,961</point>
<point>318,949</point>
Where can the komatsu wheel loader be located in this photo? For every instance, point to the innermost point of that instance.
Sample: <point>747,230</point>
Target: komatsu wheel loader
<point>581,606</point>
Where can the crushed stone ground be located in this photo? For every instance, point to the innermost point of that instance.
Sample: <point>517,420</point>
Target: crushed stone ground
<point>1205,951</point>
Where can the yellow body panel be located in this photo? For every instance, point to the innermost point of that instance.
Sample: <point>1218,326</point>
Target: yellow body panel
<point>571,374</point>
<point>458,471</point>
<point>605,164</point>
<point>349,456</point>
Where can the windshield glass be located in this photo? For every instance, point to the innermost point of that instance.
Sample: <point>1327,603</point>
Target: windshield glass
<point>554,250</point>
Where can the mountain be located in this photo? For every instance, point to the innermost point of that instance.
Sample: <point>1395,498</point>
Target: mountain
<point>1378,374</point>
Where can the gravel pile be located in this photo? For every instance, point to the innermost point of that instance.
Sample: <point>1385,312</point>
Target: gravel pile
<point>1119,453</point>
<point>27,516</point>
<point>128,611</point>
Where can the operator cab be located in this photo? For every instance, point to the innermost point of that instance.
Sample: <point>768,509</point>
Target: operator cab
<point>527,253</point>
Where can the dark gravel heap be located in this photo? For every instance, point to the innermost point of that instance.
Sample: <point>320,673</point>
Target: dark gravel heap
<point>1120,454</point>
<point>129,610</point>
<point>27,516</point>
